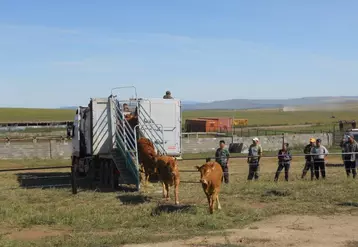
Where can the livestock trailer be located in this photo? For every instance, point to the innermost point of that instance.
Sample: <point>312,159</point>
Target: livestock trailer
<point>105,134</point>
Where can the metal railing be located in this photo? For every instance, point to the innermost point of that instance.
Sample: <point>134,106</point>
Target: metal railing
<point>151,130</point>
<point>125,141</point>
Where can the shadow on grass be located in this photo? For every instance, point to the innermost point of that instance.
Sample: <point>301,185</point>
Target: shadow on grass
<point>168,208</point>
<point>348,204</point>
<point>274,192</point>
<point>47,180</point>
<point>134,199</point>
<point>44,180</point>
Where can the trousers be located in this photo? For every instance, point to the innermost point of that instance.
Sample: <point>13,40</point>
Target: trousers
<point>308,166</point>
<point>280,167</point>
<point>226,174</point>
<point>350,166</point>
<point>319,165</point>
<point>254,170</point>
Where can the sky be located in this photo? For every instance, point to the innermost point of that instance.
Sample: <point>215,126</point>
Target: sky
<point>62,53</point>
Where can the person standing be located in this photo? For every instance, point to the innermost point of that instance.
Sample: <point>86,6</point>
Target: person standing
<point>284,162</point>
<point>222,156</point>
<point>319,153</point>
<point>168,95</point>
<point>309,159</point>
<point>253,159</point>
<point>349,149</point>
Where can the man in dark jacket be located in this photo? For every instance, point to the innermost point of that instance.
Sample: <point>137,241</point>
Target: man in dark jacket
<point>168,95</point>
<point>284,161</point>
<point>350,148</point>
<point>222,156</point>
<point>309,159</point>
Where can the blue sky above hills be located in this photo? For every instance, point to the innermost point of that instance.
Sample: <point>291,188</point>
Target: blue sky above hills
<point>62,53</point>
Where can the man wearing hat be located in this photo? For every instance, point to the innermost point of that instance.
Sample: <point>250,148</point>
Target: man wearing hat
<point>167,95</point>
<point>319,153</point>
<point>309,159</point>
<point>349,149</point>
<point>253,159</point>
<point>222,156</point>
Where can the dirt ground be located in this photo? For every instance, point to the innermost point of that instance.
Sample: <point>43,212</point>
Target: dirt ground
<point>281,231</point>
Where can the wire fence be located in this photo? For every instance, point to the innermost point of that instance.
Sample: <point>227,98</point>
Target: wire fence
<point>237,131</point>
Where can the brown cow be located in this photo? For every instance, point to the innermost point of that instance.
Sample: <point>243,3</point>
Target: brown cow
<point>211,175</point>
<point>147,156</point>
<point>169,175</point>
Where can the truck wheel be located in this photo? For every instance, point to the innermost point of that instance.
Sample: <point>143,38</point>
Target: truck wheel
<point>74,177</point>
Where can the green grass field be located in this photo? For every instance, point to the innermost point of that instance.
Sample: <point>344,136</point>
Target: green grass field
<point>35,115</point>
<point>275,117</point>
<point>255,117</point>
<point>55,217</point>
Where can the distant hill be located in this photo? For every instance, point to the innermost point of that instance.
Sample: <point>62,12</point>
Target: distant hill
<point>268,103</point>
<point>184,102</point>
<point>69,107</point>
<point>306,103</point>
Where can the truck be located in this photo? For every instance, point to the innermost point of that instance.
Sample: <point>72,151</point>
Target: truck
<point>105,133</point>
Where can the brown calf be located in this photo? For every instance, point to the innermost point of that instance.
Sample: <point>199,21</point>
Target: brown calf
<point>211,175</point>
<point>169,175</point>
<point>146,156</point>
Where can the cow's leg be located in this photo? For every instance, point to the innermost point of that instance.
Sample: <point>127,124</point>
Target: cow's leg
<point>218,202</point>
<point>146,178</point>
<point>176,192</point>
<point>167,189</point>
<point>211,204</point>
<point>165,192</point>
<point>208,197</point>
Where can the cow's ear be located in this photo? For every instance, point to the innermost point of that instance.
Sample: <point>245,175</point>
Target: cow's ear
<point>197,167</point>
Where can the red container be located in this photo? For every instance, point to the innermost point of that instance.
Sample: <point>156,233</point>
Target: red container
<point>224,124</point>
<point>201,125</point>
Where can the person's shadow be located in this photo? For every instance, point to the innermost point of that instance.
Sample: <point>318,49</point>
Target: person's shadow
<point>47,180</point>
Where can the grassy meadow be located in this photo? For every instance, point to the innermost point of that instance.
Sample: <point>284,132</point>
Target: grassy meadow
<point>263,117</point>
<point>35,115</point>
<point>55,217</point>
<point>272,117</point>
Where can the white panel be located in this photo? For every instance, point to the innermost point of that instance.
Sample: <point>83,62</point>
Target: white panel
<point>88,136</point>
<point>75,138</point>
<point>166,112</point>
<point>101,135</point>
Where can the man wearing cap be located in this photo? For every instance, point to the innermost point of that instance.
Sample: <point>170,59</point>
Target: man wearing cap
<point>309,159</point>
<point>222,156</point>
<point>253,159</point>
<point>319,153</point>
<point>167,95</point>
<point>349,157</point>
